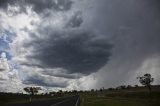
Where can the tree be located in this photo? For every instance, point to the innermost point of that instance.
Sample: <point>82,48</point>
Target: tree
<point>136,86</point>
<point>92,90</point>
<point>129,86</point>
<point>32,91</point>
<point>146,80</point>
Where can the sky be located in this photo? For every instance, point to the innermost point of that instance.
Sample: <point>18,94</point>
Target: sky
<point>78,44</point>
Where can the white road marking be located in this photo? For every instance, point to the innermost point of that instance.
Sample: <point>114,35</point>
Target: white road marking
<point>77,102</point>
<point>60,102</point>
<point>66,101</point>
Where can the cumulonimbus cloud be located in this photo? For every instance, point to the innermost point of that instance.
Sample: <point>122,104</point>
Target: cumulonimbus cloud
<point>76,51</point>
<point>75,21</point>
<point>39,6</point>
<point>44,80</point>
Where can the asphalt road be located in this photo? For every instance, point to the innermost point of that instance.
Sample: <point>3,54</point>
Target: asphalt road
<point>69,101</point>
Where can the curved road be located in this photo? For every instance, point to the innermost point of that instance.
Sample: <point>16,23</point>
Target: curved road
<point>69,101</point>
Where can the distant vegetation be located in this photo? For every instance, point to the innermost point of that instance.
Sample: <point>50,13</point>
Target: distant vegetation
<point>124,95</point>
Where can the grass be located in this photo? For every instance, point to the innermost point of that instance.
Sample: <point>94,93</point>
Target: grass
<point>13,98</point>
<point>99,101</point>
<point>116,102</point>
<point>121,98</point>
<point>125,97</point>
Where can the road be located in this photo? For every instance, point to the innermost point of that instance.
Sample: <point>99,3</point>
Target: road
<point>69,101</point>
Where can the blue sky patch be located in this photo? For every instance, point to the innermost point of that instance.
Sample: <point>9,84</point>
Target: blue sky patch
<point>5,40</point>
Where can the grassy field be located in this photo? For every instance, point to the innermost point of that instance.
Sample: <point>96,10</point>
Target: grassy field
<point>124,97</point>
<point>93,101</point>
<point>121,98</point>
<point>20,98</point>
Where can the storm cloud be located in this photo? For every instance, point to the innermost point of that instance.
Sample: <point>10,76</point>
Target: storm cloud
<point>84,44</point>
<point>39,6</point>
<point>76,51</point>
<point>76,20</point>
<point>134,30</point>
<point>61,73</point>
<point>58,5</point>
<point>47,81</point>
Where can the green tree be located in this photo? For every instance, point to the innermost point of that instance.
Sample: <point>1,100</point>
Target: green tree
<point>146,80</point>
<point>31,91</point>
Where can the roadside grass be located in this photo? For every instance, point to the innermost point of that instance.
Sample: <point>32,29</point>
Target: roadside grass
<point>133,95</point>
<point>33,101</point>
<point>16,99</point>
<point>12,98</point>
<point>121,98</point>
<point>116,102</point>
<point>96,101</point>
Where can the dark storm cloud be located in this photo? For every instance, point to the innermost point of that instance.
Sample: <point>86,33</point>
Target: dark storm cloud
<point>76,51</point>
<point>5,3</point>
<point>61,74</point>
<point>38,6</point>
<point>44,81</point>
<point>76,20</point>
<point>67,76</point>
<point>31,64</point>
<point>133,26</point>
<point>58,5</point>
